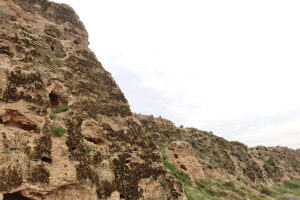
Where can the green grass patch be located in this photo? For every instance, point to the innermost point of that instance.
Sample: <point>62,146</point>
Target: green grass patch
<point>56,130</point>
<point>164,185</point>
<point>89,148</point>
<point>289,187</point>
<point>178,174</point>
<point>60,54</point>
<point>53,70</point>
<point>58,110</point>
<point>193,193</point>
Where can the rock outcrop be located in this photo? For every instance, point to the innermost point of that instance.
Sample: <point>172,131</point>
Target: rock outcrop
<point>67,131</point>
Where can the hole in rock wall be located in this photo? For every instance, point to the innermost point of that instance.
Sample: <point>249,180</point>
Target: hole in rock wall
<point>127,161</point>
<point>47,160</point>
<point>14,119</point>
<point>95,140</point>
<point>182,166</point>
<point>53,100</point>
<point>76,42</point>
<point>122,196</point>
<point>52,48</point>
<point>57,100</point>
<point>14,196</point>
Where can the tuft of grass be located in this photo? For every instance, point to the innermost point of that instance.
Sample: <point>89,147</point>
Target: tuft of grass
<point>60,54</point>
<point>178,174</point>
<point>58,110</point>
<point>164,185</point>
<point>89,148</point>
<point>193,193</point>
<point>266,191</point>
<point>56,130</point>
<point>229,184</point>
<point>192,141</point>
<point>237,143</point>
<point>53,70</point>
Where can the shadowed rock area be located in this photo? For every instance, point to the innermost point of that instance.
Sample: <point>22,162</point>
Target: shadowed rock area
<point>67,131</point>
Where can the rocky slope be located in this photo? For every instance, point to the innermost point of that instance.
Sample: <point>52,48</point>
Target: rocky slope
<point>67,131</point>
<point>211,167</point>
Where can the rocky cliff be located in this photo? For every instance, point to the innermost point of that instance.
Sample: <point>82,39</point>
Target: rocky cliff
<point>67,131</point>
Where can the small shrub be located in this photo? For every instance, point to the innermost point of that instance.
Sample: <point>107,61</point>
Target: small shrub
<point>56,130</point>
<point>88,148</point>
<point>239,144</point>
<point>60,54</point>
<point>53,70</point>
<point>192,141</point>
<point>271,168</point>
<point>229,184</point>
<point>266,191</point>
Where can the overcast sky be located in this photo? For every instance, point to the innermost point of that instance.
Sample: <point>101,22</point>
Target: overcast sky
<point>231,67</point>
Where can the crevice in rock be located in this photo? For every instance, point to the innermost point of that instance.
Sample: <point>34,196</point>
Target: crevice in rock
<point>46,159</point>
<point>5,50</point>
<point>14,196</point>
<point>14,119</point>
<point>95,140</point>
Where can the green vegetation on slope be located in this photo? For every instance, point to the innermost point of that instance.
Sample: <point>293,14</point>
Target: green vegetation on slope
<point>278,192</point>
<point>58,110</point>
<point>56,130</point>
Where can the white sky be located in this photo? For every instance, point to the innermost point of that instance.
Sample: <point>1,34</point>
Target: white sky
<point>231,67</point>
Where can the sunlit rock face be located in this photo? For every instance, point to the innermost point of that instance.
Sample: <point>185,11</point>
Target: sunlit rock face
<point>66,129</point>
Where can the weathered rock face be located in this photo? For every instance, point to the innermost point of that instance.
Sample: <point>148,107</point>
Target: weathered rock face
<point>66,129</point>
<point>220,167</point>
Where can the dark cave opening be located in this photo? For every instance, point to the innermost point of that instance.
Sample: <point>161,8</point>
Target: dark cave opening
<point>54,102</point>
<point>14,196</point>
<point>47,160</point>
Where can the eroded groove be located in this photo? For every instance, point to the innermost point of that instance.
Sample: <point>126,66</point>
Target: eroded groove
<point>14,119</point>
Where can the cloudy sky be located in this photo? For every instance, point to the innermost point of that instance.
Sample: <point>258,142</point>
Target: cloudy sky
<point>231,67</point>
